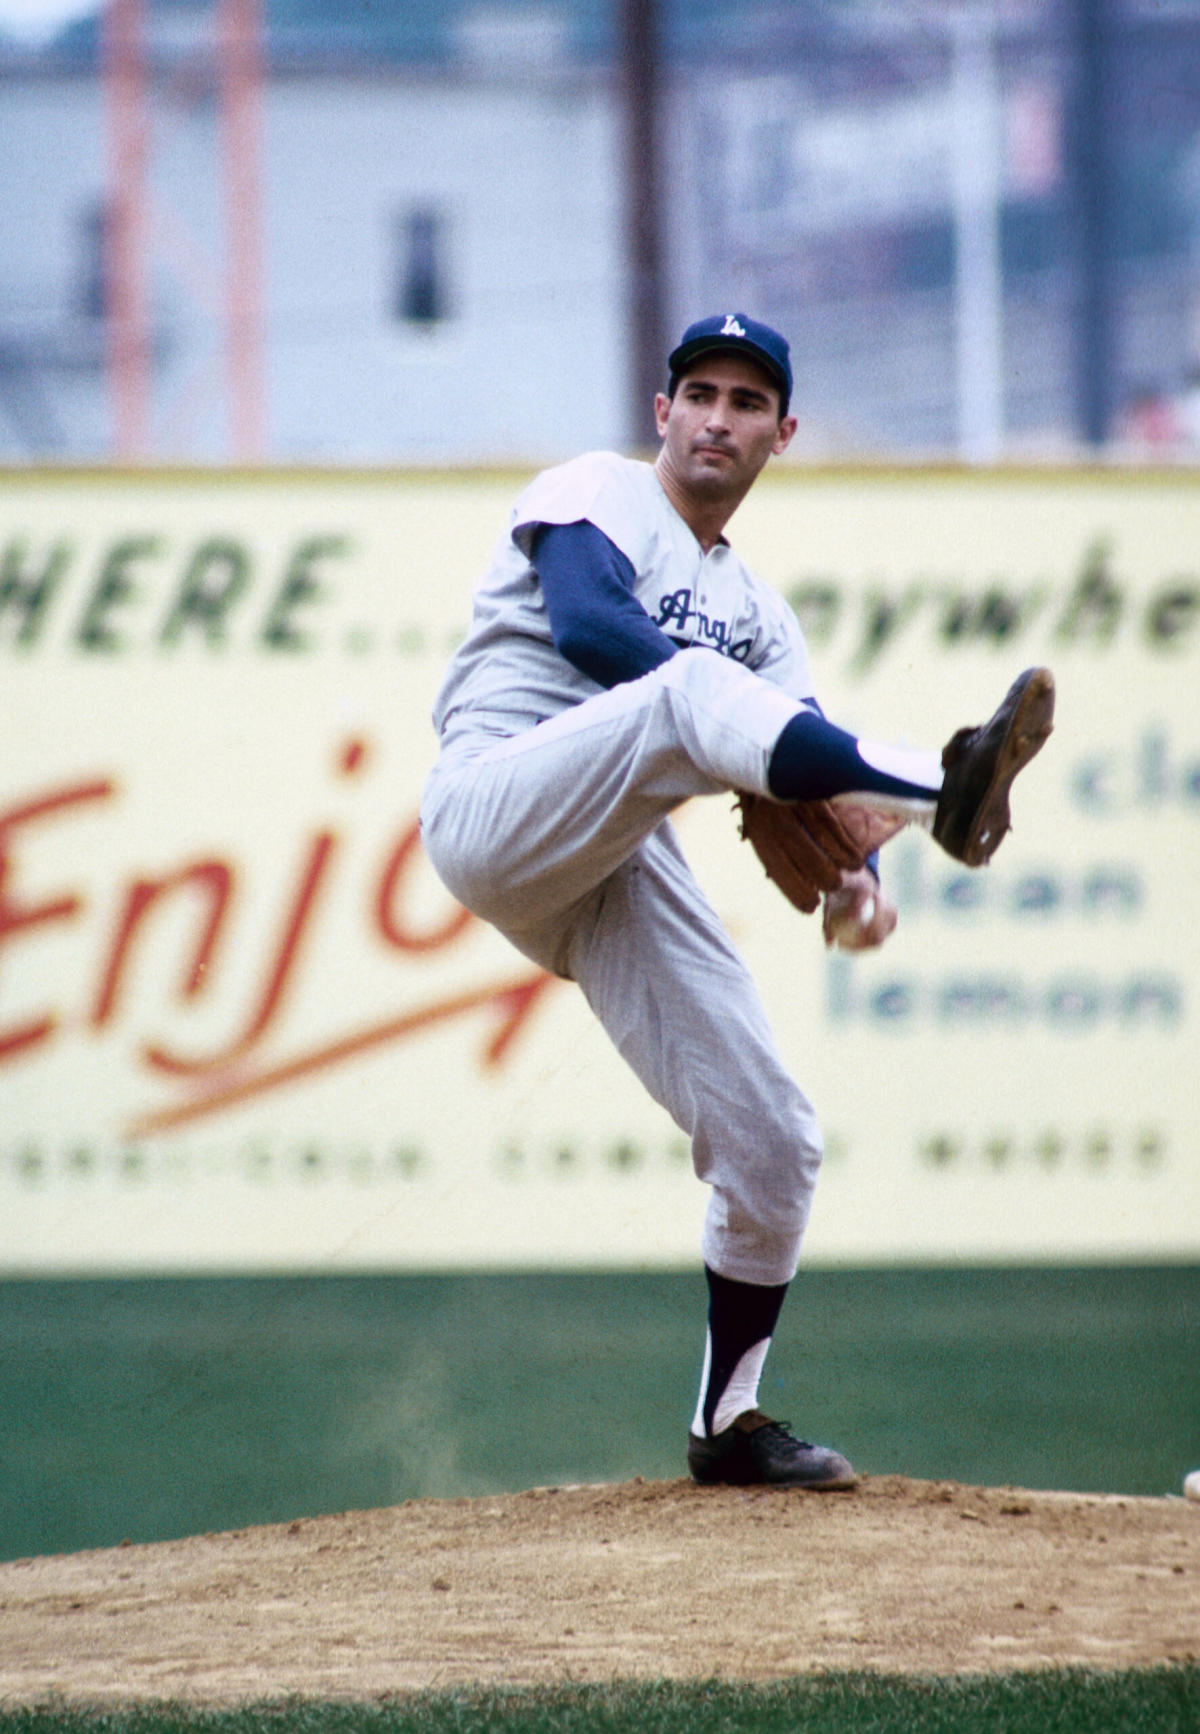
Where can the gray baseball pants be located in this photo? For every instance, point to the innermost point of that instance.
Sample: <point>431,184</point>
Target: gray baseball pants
<point>559,837</point>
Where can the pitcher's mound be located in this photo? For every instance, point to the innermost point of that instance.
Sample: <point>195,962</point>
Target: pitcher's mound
<point>635,1579</point>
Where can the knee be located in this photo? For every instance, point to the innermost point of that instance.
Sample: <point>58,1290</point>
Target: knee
<point>782,1190</point>
<point>726,717</point>
<point>759,1211</point>
<point>767,1166</point>
<point>442,842</point>
<point>696,674</point>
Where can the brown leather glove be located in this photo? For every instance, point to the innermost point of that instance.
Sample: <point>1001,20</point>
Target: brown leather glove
<point>806,846</point>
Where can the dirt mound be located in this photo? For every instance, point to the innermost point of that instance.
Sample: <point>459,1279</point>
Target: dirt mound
<point>636,1579</point>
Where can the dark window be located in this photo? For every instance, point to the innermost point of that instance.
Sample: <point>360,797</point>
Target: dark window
<point>420,296</point>
<point>90,286</point>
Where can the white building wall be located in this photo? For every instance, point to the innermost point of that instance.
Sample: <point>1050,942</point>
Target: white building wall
<point>528,365</point>
<point>51,172</point>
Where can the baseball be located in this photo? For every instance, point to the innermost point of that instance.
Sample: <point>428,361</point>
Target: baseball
<point>846,927</point>
<point>1191,1486</point>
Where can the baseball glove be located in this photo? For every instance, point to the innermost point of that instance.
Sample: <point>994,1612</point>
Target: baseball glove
<point>806,846</point>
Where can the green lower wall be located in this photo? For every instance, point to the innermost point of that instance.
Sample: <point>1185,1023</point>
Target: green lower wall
<point>154,1408</point>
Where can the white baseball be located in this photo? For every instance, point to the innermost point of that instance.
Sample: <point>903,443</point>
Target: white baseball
<point>848,925</point>
<point>1191,1486</point>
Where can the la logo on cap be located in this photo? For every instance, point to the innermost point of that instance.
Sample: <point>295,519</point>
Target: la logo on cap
<point>731,328</point>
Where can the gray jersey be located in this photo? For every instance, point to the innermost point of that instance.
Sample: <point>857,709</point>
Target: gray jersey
<point>507,674</point>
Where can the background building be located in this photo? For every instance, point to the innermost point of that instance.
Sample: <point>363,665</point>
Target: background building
<point>404,233</point>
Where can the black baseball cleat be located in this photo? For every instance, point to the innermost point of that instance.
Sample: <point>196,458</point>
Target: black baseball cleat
<point>756,1451</point>
<point>980,764</point>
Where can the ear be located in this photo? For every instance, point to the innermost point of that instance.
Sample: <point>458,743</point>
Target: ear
<point>783,438</point>
<point>662,409</point>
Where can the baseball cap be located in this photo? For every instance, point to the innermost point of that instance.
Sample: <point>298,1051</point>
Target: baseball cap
<point>737,334</point>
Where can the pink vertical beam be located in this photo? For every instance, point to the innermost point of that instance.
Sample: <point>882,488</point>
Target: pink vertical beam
<point>240,58</point>
<point>125,273</point>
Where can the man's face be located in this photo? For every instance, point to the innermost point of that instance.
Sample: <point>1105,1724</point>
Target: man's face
<point>721,426</point>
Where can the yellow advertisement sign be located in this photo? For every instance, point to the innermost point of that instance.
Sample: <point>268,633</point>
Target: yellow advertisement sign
<point>243,1027</point>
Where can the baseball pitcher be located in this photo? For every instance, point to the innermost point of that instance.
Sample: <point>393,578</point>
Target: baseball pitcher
<point>620,660</point>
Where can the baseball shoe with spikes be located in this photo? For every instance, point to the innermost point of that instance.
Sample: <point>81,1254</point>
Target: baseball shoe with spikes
<point>980,764</point>
<point>756,1451</point>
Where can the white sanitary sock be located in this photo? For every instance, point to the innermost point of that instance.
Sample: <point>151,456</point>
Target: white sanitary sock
<point>741,1392</point>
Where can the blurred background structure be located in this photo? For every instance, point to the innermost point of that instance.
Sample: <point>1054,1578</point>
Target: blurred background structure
<point>390,231</point>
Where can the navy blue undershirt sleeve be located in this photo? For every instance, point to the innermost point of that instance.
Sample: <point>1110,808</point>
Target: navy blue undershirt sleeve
<point>596,621</point>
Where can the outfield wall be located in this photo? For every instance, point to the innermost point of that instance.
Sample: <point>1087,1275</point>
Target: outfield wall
<point>242,1027</point>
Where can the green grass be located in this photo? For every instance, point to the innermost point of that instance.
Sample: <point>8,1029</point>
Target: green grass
<point>1147,1701</point>
<point>154,1408</point>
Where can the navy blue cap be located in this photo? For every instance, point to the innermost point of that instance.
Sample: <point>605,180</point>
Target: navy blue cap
<point>737,334</point>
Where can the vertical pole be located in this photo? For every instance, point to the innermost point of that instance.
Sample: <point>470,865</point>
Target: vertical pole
<point>1093,193</point>
<point>979,280</point>
<point>640,82</point>
<point>126,308</point>
<point>240,61</point>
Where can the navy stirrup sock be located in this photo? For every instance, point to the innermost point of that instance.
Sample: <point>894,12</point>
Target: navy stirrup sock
<point>741,1315</point>
<point>813,760</point>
